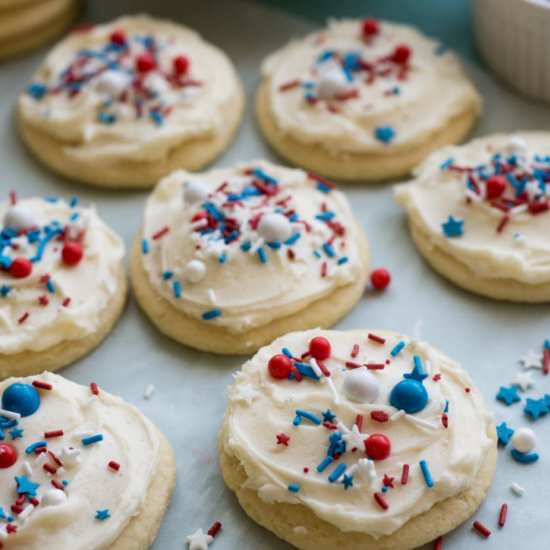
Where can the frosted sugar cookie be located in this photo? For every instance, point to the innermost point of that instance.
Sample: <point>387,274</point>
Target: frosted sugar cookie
<point>62,283</point>
<point>27,24</point>
<point>229,259</point>
<point>80,469</point>
<point>363,100</point>
<point>480,215</point>
<point>357,440</point>
<point>125,103</point>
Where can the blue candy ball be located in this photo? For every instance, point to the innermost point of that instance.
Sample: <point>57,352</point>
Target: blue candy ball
<point>21,398</point>
<point>409,395</point>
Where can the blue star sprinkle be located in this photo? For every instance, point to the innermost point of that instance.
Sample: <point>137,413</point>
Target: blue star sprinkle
<point>453,227</point>
<point>328,416</point>
<point>16,433</point>
<point>347,481</point>
<point>508,396</point>
<point>504,433</point>
<point>25,486</point>
<point>535,408</point>
<point>102,515</point>
<point>385,134</point>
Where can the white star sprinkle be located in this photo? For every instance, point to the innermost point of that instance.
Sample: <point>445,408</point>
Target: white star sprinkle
<point>524,380</point>
<point>199,540</point>
<point>532,360</point>
<point>245,393</point>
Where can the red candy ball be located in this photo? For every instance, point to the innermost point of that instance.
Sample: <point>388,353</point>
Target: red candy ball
<point>401,53</point>
<point>496,185</point>
<point>72,253</point>
<point>21,268</point>
<point>380,278</point>
<point>370,27</point>
<point>118,37</point>
<point>181,64</point>
<point>145,63</point>
<point>377,447</point>
<point>319,348</point>
<point>279,366</point>
<point>8,455</point>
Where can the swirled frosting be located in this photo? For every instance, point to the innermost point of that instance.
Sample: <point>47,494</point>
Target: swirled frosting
<point>60,266</point>
<point>84,463</point>
<point>242,246</point>
<point>362,89</point>
<point>486,204</point>
<point>134,88</point>
<point>307,438</point>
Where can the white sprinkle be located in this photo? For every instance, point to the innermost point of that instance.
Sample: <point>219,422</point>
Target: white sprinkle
<point>332,387</point>
<point>421,422</point>
<point>211,296</point>
<point>10,414</point>
<point>25,513</point>
<point>316,369</point>
<point>517,489</point>
<point>28,468</point>
<point>41,458</point>
<point>397,415</point>
<point>149,390</point>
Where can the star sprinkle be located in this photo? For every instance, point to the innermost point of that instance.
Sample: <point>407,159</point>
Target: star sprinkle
<point>508,396</point>
<point>328,416</point>
<point>25,486</point>
<point>347,481</point>
<point>385,134</point>
<point>246,393</point>
<point>102,515</point>
<point>282,439</point>
<point>504,433</point>
<point>535,408</point>
<point>388,481</point>
<point>453,227</point>
<point>524,380</point>
<point>532,360</point>
<point>199,540</point>
<point>16,433</point>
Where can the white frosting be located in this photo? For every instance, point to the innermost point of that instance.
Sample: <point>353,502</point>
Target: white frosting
<point>65,520</point>
<point>416,99</point>
<point>192,105</point>
<point>260,407</point>
<point>520,250</point>
<point>89,285</point>
<point>280,286</point>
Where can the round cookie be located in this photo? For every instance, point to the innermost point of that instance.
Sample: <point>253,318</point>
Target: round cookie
<point>126,103</point>
<point>27,24</point>
<point>79,468</point>
<point>479,214</point>
<point>62,283</point>
<point>356,440</point>
<point>363,100</point>
<point>228,260</point>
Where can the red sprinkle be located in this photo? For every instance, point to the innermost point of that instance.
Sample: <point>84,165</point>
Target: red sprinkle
<point>381,501</point>
<point>114,465</point>
<point>375,366</point>
<point>379,416</point>
<point>94,389</point>
<point>289,85</point>
<point>502,515</point>
<point>282,439</point>
<point>352,365</point>
<point>481,529</point>
<point>58,485</point>
<point>181,64</point>
<point>66,302</point>
<point>445,420</point>
<point>145,63</point>
<point>43,300</point>
<point>370,27</point>
<point>53,433</point>
<point>42,385</point>
<point>405,474</point>
<point>13,197</point>
<point>161,232</point>
<point>23,318</point>
<point>355,351</point>
<point>401,54</point>
<point>376,338</point>
<point>50,469</point>
<point>118,37</point>
<point>436,377</point>
<point>503,222</point>
<point>438,544</point>
<point>546,361</point>
<point>215,528</point>
<point>359,422</point>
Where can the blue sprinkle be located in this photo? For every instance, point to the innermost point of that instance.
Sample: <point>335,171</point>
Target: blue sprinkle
<point>337,472</point>
<point>167,275</point>
<point>524,458</point>
<point>37,90</point>
<point>176,289</point>
<point>102,515</point>
<point>74,216</point>
<point>246,246</point>
<point>453,227</point>
<point>211,314</point>
<point>324,464</point>
<point>157,117</point>
<point>91,439</point>
<point>5,290</point>
<point>547,344</point>
<point>262,255</point>
<point>37,445</point>
<point>50,286</point>
<point>446,164</point>
<point>323,187</point>
<point>222,258</point>
<point>291,240</point>
<point>397,348</point>
<point>73,202</point>
<point>328,250</point>
<point>325,216</point>
<point>426,473</point>
<point>106,118</point>
<point>144,246</point>
<point>275,245</point>
<point>385,134</point>
<point>309,416</point>
<point>305,370</point>
<point>53,199</point>
<point>446,408</point>
<point>293,487</point>
<point>316,253</point>
<point>343,260</point>
<point>287,352</point>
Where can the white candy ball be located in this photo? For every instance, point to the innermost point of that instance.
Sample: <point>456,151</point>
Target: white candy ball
<point>274,227</point>
<point>112,83</point>
<point>18,217</point>
<point>361,386</point>
<point>194,271</point>
<point>155,82</point>
<point>524,440</point>
<point>332,83</point>
<point>53,497</point>
<point>193,192</point>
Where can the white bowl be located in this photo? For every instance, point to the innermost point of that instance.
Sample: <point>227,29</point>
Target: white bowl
<point>513,37</point>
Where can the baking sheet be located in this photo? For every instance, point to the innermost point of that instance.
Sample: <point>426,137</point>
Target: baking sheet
<point>485,336</point>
